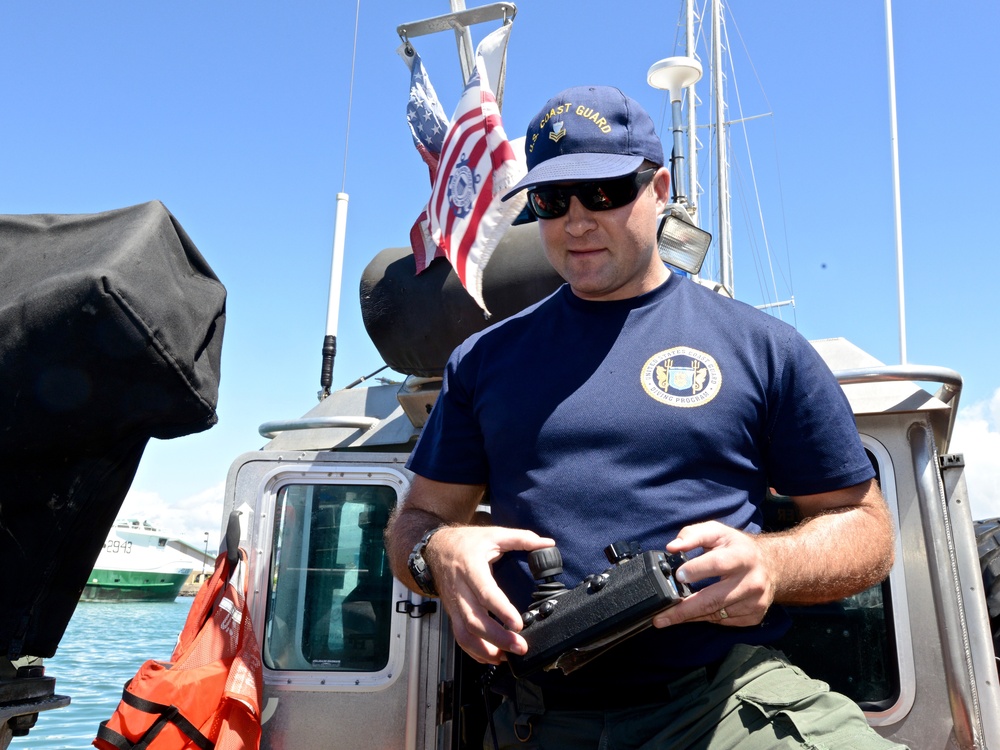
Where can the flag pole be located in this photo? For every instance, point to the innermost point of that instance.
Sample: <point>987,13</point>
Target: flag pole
<point>463,37</point>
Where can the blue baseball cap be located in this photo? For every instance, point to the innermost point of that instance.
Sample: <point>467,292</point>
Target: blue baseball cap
<point>588,133</point>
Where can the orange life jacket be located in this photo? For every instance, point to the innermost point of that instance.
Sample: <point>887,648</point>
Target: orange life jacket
<point>208,696</point>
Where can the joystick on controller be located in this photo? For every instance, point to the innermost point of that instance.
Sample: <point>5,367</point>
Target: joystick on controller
<point>566,628</point>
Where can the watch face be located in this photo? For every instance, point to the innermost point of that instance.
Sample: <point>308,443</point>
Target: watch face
<point>422,578</point>
<point>418,566</point>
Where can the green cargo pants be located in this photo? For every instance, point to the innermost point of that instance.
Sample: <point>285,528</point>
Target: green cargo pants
<point>756,701</point>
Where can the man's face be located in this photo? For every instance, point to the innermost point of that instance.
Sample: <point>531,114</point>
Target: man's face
<point>608,255</point>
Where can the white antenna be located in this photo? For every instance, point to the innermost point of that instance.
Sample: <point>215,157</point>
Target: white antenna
<point>895,179</point>
<point>675,74</point>
<point>337,259</point>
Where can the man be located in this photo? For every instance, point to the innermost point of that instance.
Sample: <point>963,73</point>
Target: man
<point>635,405</point>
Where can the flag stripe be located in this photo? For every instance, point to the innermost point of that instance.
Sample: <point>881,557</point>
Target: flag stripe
<point>457,137</point>
<point>446,216</point>
<point>483,202</point>
<point>465,218</point>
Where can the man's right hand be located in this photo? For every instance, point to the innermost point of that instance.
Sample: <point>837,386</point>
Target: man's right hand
<point>460,559</point>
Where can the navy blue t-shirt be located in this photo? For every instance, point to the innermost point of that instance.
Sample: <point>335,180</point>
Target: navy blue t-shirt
<point>595,422</point>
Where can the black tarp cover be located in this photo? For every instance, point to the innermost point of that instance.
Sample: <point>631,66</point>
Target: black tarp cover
<point>111,331</point>
<point>415,321</point>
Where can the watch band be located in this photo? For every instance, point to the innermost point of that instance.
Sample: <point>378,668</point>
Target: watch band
<point>418,565</point>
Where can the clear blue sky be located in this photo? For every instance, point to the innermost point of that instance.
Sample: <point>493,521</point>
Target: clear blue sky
<point>234,115</point>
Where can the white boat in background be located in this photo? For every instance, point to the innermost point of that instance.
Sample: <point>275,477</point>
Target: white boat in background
<point>140,562</point>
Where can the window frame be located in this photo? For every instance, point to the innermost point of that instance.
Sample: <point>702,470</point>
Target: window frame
<point>899,607</point>
<point>339,475</point>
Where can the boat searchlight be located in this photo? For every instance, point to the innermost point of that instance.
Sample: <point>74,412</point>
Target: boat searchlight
<point>681,243</point>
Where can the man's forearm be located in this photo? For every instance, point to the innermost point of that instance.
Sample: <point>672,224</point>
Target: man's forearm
<point>831,555</point>
<point>427,504</point>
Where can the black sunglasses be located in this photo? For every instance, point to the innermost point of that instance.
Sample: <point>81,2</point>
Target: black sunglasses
<point>552,201</point>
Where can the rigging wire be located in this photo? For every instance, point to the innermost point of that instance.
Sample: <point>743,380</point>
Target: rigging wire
<point>706,200</point>
<point>768,271</point>
<point>753,177</point>
<point>350,96</point>
<point>771,274</point>
<point>781,199</point>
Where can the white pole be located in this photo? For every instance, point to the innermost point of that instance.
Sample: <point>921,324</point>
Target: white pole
<point>337,264</point>
<point>722,161</point>
<point>333,303</point>
<point>339,232</point>
<point>463,37</point>
<point>895,180</point>
<point>692,150</point>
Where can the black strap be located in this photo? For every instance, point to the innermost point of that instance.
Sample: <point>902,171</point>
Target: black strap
<point>166,715</point>
<point>112,737</point>
<point>485,680</point>
<point>142,704</point>
<point>124,743</point>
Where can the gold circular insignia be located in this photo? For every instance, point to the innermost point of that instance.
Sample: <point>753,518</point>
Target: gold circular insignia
<point>682,377</point>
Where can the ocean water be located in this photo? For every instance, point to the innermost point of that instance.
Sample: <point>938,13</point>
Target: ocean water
<point>104,646</point>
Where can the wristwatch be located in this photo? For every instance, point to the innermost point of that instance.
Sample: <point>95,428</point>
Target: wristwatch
<point>418,565</point>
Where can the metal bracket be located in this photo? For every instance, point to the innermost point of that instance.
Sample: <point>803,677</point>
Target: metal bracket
<point>459,20</point>
<point>428,607</point>
<point>951,461</point>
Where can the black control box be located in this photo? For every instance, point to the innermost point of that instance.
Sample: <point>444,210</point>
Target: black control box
<point>566,628</point>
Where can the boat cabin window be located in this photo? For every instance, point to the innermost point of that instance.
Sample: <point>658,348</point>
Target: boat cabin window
<point>330,587</point>
<point>848,644</point>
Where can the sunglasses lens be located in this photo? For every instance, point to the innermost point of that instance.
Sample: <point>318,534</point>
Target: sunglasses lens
<point>551,202</point>
<point>548,202</point>
<point>608,194</point>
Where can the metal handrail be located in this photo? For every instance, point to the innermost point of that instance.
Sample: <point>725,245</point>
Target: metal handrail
<point>271,429</point>
<point>949,393</point>
<point>959,671</point>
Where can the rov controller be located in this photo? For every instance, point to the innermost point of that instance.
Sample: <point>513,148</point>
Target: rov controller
<point>566,628</point>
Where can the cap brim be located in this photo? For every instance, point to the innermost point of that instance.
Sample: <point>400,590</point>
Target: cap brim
<point>576,168</point>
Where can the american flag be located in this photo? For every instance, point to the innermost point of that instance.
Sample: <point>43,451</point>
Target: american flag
<point>477,165</point>
<point>428,125</point>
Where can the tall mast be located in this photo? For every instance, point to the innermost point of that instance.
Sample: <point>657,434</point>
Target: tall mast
<point>722,161</point>
<point>692,149</point>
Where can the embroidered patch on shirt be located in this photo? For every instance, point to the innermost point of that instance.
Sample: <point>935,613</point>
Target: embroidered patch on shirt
<point>682,377</point>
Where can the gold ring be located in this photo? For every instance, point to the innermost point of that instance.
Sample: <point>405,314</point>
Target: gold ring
<point>723,614</point>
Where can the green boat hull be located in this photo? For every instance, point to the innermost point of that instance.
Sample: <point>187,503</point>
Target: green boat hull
<point>132,586</point>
